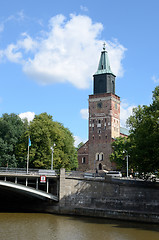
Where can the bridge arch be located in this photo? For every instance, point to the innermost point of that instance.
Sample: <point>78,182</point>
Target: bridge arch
<point>28,191</point>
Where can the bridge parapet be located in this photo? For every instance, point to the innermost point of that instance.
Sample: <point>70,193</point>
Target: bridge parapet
<point>31,171</point>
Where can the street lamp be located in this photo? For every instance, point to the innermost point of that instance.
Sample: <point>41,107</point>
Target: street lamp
<point>127,165</point>
<point>127,172</point>
<point>52,149</point>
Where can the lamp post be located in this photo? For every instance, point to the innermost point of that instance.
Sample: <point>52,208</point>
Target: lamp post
<point>52,149</point>
<point>127,164</point>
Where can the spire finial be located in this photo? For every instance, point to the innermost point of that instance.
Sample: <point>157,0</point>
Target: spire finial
<point>104,45</point>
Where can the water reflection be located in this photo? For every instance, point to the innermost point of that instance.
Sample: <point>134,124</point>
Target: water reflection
<point>22,226</point>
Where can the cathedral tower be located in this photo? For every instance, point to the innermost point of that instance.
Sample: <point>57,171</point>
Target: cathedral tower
<point>104,115</point>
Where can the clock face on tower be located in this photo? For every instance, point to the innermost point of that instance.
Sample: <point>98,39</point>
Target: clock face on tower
<point>99,105</point>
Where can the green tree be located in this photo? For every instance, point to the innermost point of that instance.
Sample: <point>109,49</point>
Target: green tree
<point>44,132</point>
<point>11,130</point>
<point>120,149</point>
<point>142,143</point>
<point>144,135</point>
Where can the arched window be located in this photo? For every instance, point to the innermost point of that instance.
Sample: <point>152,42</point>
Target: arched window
<point>83,160</point>
<point>101,157</point>
<point>97,156</point>
<point>100,167</point>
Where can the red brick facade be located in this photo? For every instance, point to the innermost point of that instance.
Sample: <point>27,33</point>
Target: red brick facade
<point>104,126</point>
<point>83,157</point>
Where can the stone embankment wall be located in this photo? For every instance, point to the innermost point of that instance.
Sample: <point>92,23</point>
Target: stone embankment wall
<point>109,198</point>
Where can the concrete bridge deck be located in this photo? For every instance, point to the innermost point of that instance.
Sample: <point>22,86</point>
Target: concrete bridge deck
<point>37,183</point>
<point>18,188</point>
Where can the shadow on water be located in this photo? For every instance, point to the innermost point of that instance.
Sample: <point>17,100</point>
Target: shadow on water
<point>117,223</point>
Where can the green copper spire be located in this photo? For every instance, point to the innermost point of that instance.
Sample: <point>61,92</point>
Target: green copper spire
<point>104,65</point>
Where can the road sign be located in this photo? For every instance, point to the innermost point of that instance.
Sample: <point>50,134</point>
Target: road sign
<point>43,179</point>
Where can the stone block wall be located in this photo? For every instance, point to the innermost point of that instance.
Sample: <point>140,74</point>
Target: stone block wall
<point>122,199</point>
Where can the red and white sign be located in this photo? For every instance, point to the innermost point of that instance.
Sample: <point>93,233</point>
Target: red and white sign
<point>43,179</point>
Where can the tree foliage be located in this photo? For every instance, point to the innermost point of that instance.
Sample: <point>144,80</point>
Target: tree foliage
<point>144,137</point>
<point>120,147</point>
<point>11,130</point>
<point>142,143</point>
<point>43,132</point>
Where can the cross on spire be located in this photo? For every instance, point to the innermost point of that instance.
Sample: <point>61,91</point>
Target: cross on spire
<point>104,45</point>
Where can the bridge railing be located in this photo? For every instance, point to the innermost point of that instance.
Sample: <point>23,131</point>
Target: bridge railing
<point>30,171</point>
<point>74,174</point>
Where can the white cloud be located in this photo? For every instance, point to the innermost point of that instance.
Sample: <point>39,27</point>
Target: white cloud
<point>116,54</point>
<point>68,52</point>
<point>84,113</point>
<point>12,54</point>
<point>155,79</point>
<point>15,52</point>
<point>84,8</point>
<point>27,115</point>
<point>1,27</point>
<point>18,17</point>
<point>27,43</point>
<point>125,112</point>
<point>1,55</point>
<point>78,140</point>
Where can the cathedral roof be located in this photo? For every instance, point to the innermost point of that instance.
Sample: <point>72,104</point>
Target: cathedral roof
<point>104,65</point>
<point>124,131</point>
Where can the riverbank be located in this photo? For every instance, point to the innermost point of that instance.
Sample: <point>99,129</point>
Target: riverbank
<point>108,198</point>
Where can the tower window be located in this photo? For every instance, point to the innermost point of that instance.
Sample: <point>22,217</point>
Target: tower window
<point>99,123</point>
<point>99,131</point>
<point>113,87</point>
<point>83,160</point>
<point>100,166</point>
<point>101,157</point>
<point>99,105</point>
<point>97,156</point>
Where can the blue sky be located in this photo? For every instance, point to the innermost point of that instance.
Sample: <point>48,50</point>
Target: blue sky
<point>49,51</point>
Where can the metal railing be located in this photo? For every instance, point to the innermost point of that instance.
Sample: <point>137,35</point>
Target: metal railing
<point>33,171</point>
<point>74,174</point>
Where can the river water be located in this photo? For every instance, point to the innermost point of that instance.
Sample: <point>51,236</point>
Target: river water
<point>36,226</point>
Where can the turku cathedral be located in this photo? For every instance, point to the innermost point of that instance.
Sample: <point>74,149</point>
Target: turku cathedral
<point>104,119</point>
